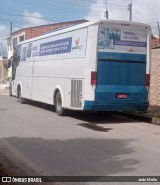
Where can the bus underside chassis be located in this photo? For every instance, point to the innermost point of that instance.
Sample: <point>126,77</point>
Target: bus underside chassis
<point>58,104</point>
<point>19,95</point>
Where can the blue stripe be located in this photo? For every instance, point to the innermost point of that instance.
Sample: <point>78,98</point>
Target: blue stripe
<point>121,56</point>
<point>92,106</point>
<point>106,99</point>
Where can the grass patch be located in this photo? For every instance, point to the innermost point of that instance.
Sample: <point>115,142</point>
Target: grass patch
<point>157,116</point>
<point>137,112</point>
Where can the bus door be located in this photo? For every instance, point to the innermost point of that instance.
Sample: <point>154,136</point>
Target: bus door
<point>13,65</point>
<point>30,70</point>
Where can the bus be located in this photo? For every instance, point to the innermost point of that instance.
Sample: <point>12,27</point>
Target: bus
<point>95,66</point>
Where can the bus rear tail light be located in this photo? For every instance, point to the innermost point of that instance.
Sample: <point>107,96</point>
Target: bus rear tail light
<point>93,78</point>
<point>147,80</point>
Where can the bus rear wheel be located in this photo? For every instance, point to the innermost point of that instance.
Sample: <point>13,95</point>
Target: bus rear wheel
<point>58,105</point>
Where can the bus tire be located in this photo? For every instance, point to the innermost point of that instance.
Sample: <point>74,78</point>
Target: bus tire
<point>22,100</point>
<point>58,105</point>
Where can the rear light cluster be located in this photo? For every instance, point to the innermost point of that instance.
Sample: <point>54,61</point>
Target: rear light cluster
<point>93,78</point>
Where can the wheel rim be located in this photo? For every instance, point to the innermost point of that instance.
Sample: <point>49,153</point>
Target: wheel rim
<point>58,102</point>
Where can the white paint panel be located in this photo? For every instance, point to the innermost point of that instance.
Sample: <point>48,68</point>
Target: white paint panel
<point>79,43</point>
<point>91,62</point>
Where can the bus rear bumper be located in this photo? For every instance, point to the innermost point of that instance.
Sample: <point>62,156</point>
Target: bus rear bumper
<point>136,106</point>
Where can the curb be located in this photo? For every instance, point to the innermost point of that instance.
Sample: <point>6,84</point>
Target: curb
<point>137,117</point>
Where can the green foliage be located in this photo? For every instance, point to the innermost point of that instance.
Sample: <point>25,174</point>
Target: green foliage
<point>8,78</point>
<point>158,116</point>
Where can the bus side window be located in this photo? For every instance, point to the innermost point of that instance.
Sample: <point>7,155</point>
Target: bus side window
<point>18,53</point>
<point>23,54</point>
<point>14,61</point>
<point>29,50</point>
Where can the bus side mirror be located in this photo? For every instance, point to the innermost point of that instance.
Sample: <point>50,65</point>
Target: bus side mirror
<point>15,56</point>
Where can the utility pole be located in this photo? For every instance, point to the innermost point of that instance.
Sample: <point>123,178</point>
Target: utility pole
<point>158,31</point>
<point>11,25</point>
<point>1,50</point>
<point>11,28</point>
<point>106,13</point>
<point>130,11</point>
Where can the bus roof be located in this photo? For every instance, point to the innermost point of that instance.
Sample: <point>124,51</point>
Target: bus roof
<point>83,25</point>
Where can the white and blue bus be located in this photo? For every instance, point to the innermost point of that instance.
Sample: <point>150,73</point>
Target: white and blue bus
<point>94,66</point>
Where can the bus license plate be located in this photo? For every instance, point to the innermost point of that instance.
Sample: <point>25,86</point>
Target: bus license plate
<point>122,96</point>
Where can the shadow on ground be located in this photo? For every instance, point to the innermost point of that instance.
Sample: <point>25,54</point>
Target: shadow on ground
<point>89,117</point>
<point>69,157</point>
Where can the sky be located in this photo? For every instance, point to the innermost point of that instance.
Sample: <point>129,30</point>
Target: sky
<point>26,13</point>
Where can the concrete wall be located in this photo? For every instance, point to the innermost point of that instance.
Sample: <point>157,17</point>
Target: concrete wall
<point>155,78</point>
<point>3,71</point>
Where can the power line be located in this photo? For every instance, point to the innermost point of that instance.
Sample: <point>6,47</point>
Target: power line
<point>59,19</point>
<point>20,15</point>
<point>68,3</point>
<point>68,9</point>
<point>105,3</point>
<point>14,14</point>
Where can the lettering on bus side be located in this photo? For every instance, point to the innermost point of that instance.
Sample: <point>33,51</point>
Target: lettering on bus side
<point>130,36</point>
<point>35,51</point>
<point>56,47</point>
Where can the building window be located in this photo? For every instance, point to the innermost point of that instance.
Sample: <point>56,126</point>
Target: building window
<point>14,40</point>
<point>21,38</point>
<point>23,54</point>
<point>29,50</point>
